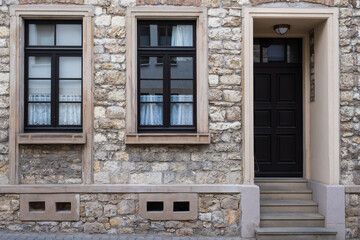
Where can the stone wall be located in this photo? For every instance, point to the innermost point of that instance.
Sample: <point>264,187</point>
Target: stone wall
<point>51,164</point>
<point>352,216</point>
<point>350,96</point>
<point>114,162</point>
<point>219,162</point>
<point>4,92</point>
<point>218,214</point>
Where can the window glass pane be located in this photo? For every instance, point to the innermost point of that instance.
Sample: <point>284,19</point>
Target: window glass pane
<point>144,35</point>
<point>70,67</point>
<point>181,114</point>
<point>151,87</point>
<point>40,90</point>
<point>273,50</point>
<point>256,50</point>
<point>39,67</point>
<point>70,90</point>
<point>181,90</point>
<point>182,36</point>
<point>151,113</point>
<point>161,36</point>
<point>68,34</point>
<point>150,69</point>
<point>41,34</point>
<point>293,51</point>
<point>181,67</point>
<point>39,114</point>
<point>152,35</point>
<point>70,114</point>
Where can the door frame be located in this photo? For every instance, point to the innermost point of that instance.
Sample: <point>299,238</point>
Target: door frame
<point>329,175</point>
<point>305,82</point>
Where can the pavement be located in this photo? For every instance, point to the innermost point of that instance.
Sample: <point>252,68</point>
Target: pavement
<point>78,236</point>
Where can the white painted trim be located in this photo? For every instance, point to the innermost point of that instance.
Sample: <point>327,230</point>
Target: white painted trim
<point>331,200</point>
<point>329,15</point>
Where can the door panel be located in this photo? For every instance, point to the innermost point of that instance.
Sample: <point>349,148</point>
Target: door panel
<point>278,121</point>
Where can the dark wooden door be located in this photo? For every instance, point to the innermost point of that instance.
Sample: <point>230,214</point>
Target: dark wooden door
<point>278,125</point>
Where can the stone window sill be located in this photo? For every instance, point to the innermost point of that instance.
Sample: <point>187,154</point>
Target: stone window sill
<point>168,138</point>
<point>51,138</point>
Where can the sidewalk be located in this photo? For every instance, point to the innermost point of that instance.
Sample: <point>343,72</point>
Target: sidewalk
<point>78,236</point>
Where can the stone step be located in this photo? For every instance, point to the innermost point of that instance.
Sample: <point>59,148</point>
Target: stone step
<point>279,180</point>
<point>291,220</point>
<point>281,183</point>
<point>288,206</point>
<point>295,234</point>
<point>285,194</point>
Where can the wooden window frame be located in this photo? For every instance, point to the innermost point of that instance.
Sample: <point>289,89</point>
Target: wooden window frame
<point>166,52</point>
<point>54,52</point>
<point>199,14</point>
<point>17,134</point>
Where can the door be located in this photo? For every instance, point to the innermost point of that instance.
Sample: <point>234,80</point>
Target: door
<point>278,125</point>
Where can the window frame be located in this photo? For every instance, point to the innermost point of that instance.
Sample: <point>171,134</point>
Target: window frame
<point>55,52</point>
<point>166,53</point>
<point>17,134</point>
<point>199,15</point>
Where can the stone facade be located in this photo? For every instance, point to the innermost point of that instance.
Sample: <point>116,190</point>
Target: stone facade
<point>350,112</point>
<point>51,164</point>
<point>218,214</point>
<point>350,98</point>
<point>220,162</point>
<point>352,216</point>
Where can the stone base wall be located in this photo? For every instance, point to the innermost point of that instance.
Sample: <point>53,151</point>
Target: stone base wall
<point>352,217</point>
<point>218,215</point>
<point>50,164</point>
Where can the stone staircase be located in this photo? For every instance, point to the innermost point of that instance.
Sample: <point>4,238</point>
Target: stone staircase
<point>287,211</point>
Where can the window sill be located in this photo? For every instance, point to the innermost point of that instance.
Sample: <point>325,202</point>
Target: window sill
<point>51,138</point>
<point>168,138</point>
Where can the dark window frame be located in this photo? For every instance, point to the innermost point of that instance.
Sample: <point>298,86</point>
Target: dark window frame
<point>54,52</point>
<point>166,52</point>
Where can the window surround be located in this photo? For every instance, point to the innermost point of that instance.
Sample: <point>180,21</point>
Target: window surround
<point>199,14</point>
<point>18,14</point>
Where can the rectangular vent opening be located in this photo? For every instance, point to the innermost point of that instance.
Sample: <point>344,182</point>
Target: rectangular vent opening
<point>181,206</point>
<point>63,206</point>
<point>36,206</point>
<point>154,206</point>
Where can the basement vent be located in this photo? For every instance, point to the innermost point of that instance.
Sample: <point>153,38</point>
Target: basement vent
<point>181,206</point>
<point>49,207</point>
<point>36,206</point>
<point>63,206</point>
<point>155,206</point>
<point>172,206</point>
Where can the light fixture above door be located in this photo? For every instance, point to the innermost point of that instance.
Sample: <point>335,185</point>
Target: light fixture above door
<point>281,29</point>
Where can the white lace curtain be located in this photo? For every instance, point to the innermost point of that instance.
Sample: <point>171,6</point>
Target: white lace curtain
<point>182,35</point>
<point>40,113</point>
<point>152,113</point>
<point>181,113</point>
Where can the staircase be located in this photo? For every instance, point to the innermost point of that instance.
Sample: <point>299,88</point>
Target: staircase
<point>287,211</point>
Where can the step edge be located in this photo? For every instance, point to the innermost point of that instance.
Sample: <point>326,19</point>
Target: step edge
<point>287,205</point>
<point>270,216</point>
<point>280,180</point>
<point>307,231</point>
<point>288,191</point>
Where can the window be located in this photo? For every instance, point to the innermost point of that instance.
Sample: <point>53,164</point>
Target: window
<point>53,75</point>
<point>164,104</point>
<point>166,76</point>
